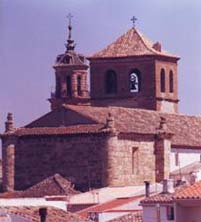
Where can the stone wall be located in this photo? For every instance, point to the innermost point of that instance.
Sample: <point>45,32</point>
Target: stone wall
<point>133,160</point>
<point>76,157</point>
<point>89,160</point>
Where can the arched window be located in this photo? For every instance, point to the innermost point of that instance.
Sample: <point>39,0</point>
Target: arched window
<point>68,86</point>
<point>162,80</point>
<point>171,82</point>
<point>111,82</point>
<point>134,81</point>
<point>79,86</point>
<point>58,88</point>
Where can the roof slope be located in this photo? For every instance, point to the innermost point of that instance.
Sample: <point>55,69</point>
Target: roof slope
<point>183,192</point>
<point>53,214</point>
<point>55,185</point>
<point>52,186</point>
<point>186,129</point>
<point>189,192</point>
<point>132,43</point>
<point>109,205</point>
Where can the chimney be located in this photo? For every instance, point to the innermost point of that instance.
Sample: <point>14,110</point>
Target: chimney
<point>163,124</point>
<point>110,124</point>
<point>110,121</point>
<point>193,178</point>
<point>157,46</point>
<point>168,186</point>
<point>147,188</point>
<point>43,214</point>
<point>9,126</point>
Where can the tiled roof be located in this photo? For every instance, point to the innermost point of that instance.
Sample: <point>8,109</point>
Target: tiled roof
<point>183,192</point>
<point>189,192</point>
<point>52,186</point>
<point>90,119</point>
<point>186,129</point>
<point>135,216</point>
<point>132,43</point>
<point>78,129</point>
<point>108,206</point>
<point>159,198</point>
<point>53,214</point>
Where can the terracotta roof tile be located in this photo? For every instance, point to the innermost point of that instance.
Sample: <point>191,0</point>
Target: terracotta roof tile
<point>159,198</point>
<point>78,129</point>
<point>108,206</point>
<point>52,186</point>
<point>53,214</point>
<point>183,192</point>
<point>186,129</point>
<point>189,192</point>
<point>135,216</point>
<point>132,43</point>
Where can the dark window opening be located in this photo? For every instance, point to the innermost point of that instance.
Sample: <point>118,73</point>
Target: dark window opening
<point>171,82</point>
<point>58,88</point>
<point>111,82</point>
<point>134,81</point>
<point>177,159</point>
<point>170,213</point>
<point>68,86</point>
<point>79,92</point>
<point>135,160</point>
<point>162,80</point>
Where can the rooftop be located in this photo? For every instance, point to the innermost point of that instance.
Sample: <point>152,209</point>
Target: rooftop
<point>52,186</point>
<point>32,214</point>
<point>184,192</point>
<point>186,129</point>
<point>132,43</point>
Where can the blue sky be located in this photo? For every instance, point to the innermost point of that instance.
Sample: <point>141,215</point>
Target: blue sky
<point>33,32</point>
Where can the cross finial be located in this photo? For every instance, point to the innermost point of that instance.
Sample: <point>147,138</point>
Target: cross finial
<point>133,19</point>
<point>70,43</point>
<point>69,16</point>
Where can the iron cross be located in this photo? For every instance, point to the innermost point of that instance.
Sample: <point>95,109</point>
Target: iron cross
<point>133,19</point>
<point>69,16</point>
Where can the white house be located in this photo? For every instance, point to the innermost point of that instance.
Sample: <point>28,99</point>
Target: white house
<point>183,205</point>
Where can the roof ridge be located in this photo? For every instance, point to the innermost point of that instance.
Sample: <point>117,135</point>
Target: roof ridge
<point>55,178</point>
<point>131,43</point>
<point>144,39</point>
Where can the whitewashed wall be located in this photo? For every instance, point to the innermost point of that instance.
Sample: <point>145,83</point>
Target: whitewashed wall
<point>186,157</point>
<point>32,202</point>
<point>189,214</point>
<point>150,214</point>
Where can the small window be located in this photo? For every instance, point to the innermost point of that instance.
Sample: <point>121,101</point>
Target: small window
<point>58,88</point>
<point>111,82</point>
<point>170,213</point>
<point>134,81</point>
<point>162,80</point>
<point>176,159</point>
<point>68,86</point>
<point>135,160</point>
<point>171,82</point>
<point>79,86</point>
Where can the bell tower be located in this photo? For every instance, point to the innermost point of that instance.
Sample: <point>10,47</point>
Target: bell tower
<point>134,72</point>
<point>70,75</point>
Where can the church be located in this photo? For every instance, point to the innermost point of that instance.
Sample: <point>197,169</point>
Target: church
<point>121,130</point>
